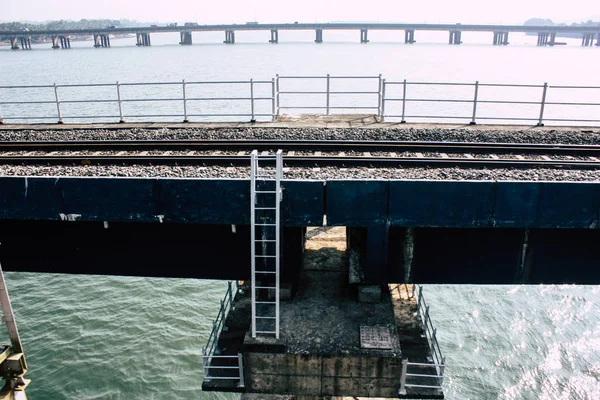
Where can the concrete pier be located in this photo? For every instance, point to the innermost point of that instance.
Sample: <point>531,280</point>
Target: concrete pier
<point>455,37</point>
<point>102,40</point>
<point>500,38</point>
<point>364,36</point>
<point>409,36</point>
<point>546,38</point>
<point>65,42</point>
<point>319,36</point>
<point>143,39</point>
<point>14,44</point>
<point>588,39</point>
<point>25,42</point>
<point>186,38</point>
<point>56,45</point>
<point>229,37</point>
<point>274,36</point>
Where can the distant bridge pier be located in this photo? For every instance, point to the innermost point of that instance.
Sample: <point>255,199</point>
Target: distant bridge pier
<point>25,43</point>
<point>274,36</point>
<point>455,37</point>
<point>588,39</point>
<point>65,42</point>
<point>186,38</point>
<point>319,36</point>
<point>364,36</point>
<point>55,40</point>
<point>143,39</point>
<point>101,41</point>
<point>229,37</point>
<point>14,44</point>
<point>546,38</point>
<point>500,38</point>
<point>409,36</point>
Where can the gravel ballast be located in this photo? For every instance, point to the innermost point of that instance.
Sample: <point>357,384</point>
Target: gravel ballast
<point>538,135</point>
<point>461,134</point>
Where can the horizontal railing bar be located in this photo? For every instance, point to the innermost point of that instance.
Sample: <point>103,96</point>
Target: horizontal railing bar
<point>551,103</point>
<point>510,85</point>
<point>28,102</point>
<point>425,376</point>
<point>573,120</point>
<point>432,83</point>
<point>226,98</point>
<point>354,108</point>
<point>302,92</point>
<point>423,386</point>
<point>300,108</point>
<point>146,100</point>
<point>67,85</point>
<point>221,82</point>
<point>222,366</point>
<point>29,117</point>
<point>227,115</point>
<point>223,377</point>
<point>87,116</point>
<point>88,101</point>
<point>513,118</point>
<point>27,87</point>
<point>360,92</point>
<point>150,83</point>
<point>425,364</point>
<point>572,87</point>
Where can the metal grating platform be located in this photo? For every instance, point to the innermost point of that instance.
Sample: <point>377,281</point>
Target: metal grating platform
<point>375,337</point>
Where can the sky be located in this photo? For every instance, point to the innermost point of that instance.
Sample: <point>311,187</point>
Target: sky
<point>267,11</point>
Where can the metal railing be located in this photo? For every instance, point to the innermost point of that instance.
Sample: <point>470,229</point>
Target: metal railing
<point>218,366</point>
<point>394,101</point>
<point>429,375</point>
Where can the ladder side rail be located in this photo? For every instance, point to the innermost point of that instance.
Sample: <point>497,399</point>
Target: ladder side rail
<point>253,173</point>
<point>9,318</point>
<point>278,174</point>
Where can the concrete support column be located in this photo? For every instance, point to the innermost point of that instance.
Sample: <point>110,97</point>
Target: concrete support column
<point>14,45</point>
<point>505,39</point>
<point>68,42</point>
<point>185,38</point>
<point>319,36</point>
<point>364,36</point>
<point>368,253</point>
<point>409,36</point>
<point>274,36</point>
<point>97,41</point>
<point>546,39</point>
<point>598,39</point>
<point>25,43</point>
<point>455,37</point>
<point>229,37</point>
<point>139,40</point>
<point>142,39</point>
<point>55,42</point>
<point>552,40</point>
<point>588,39</point>
<point>500,38</point>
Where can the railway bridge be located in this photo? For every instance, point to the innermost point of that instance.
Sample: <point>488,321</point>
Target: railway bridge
<point>246,201</point>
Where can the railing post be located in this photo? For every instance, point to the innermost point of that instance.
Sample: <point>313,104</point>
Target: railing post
<point>241,369</point>
<point>382,100</point>
<point>273,114</point>
<point>540,123</point>
<point>185,116</point>
<point>252,100</point>
<point>442,368</point>
<point>473,122</point>
<point>60,121</point>
<point>403,376</point>
<point>328,86</point>
<point>1,119</point>
<point>277,90</point>
<point>121,120</point>
<point>403,121</point>
<point>379,96</point>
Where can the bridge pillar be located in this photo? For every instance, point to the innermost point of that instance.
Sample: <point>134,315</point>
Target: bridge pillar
<point>364,36</point>
<point>319,36</point>
<point>409,36</point>
<point>546,38</point>
<point>229,37</point>
<point>500,38</point>
<point>588,39</point>
<point>455,37</point>
<point>143,39</point>
<point>274,36</point>
<point>25,43</point>
<point>186,38</point>
<point>56,45</point>
<point>14,44</point>
<point>65,42</point>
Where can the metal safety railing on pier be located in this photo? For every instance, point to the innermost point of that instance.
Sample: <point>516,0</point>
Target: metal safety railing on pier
<point>424,375</point>
<point>265,100</point>
<point>217,366</point>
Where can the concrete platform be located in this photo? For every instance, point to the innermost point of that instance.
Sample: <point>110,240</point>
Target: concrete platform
<point>320,352</point>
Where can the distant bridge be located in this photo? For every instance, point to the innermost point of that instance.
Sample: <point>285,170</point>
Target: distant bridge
<point>546,34</point>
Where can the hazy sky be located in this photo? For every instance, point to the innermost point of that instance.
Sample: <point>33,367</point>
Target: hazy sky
<point>240,11</point>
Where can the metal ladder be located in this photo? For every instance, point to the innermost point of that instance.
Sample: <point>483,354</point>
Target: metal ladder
<point>266,172</point>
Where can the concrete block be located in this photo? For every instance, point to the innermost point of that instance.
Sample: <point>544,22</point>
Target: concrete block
<point>360,387</point>
<point>363,367</point>
<point>369,293</point>
<point>284,364</point>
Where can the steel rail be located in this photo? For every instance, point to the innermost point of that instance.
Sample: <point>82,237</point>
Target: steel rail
<point>313,145</point>
<point>298,161</point>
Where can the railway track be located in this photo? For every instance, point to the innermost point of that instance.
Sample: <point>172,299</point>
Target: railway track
<point>302,153</point>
